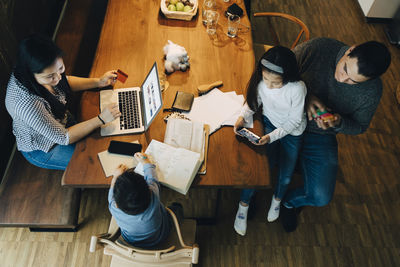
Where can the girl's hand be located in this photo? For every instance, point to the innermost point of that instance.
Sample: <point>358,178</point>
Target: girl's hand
<point>108,78</point>
<point>117,172</point>
<point>142,158</point>
<point>239,124</point>
<point>263,140</point>
<point>110,113</point>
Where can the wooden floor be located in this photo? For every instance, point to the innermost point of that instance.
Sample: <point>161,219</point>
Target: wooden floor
<point>360,227</point>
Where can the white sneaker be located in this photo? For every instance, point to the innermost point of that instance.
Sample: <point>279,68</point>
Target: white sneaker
<point>273,212</point>
<point>241,220</point>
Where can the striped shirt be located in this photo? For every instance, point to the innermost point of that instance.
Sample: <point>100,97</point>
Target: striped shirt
<point>34,125</point>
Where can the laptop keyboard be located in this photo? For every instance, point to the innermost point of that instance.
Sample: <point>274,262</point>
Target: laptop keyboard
<point>129,108</point>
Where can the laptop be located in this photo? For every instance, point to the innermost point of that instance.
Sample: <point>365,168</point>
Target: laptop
<point>138,106</point>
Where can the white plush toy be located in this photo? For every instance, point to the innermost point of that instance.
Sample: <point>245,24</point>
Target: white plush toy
<point>176,58</point>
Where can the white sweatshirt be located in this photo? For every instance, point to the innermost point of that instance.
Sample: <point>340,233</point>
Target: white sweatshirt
<point>284,107</point>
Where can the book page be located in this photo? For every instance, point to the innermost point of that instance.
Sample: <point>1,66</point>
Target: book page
<point>175,167</point>
<point>179,133</point>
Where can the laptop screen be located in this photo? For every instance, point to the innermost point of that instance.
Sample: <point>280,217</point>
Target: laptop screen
<point>151,96</point>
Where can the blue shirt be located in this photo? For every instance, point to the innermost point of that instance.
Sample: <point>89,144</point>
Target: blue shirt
<point>149,227</point>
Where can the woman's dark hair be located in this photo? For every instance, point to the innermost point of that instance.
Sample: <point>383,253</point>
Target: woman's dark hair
<point>36,53</point>
<point>373,58</point>
<point>131,193</point>
<point>279,56</point>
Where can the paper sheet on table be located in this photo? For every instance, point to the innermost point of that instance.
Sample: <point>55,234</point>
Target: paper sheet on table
<point>110,161</point>
<point>215,108</point>
<point>232,120</point>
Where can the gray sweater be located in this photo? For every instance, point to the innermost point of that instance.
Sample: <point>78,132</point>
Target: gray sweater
<point>356,103</point>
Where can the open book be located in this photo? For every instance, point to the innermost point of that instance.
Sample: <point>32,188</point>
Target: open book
<point>190,135</point>
<point>175,167</point>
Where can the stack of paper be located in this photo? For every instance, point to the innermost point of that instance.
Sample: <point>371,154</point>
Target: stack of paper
<point>217,109</point>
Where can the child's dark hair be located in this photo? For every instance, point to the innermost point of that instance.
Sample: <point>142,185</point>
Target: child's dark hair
<point>36,53</point>
<point>373,58</point>
<point>131,193</point>
<point>278,60</point>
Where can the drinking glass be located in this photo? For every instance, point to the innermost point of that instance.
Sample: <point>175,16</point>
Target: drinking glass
<point>233,25</point>
<point>207,5</point>
<point>212,21</point>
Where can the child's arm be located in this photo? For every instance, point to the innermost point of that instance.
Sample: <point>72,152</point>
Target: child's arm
<point>149,170</point>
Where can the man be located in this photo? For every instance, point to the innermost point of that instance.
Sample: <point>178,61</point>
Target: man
<point>344,81</point>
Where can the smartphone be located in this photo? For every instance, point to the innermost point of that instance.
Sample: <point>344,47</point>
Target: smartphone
<point>124,148</point>
<point>249,135</point>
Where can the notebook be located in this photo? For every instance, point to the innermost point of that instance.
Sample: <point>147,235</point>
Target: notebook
<point>138,105</point>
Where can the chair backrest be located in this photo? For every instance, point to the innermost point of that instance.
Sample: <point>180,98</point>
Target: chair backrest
<point>303,28</point>
<point>173,252</point>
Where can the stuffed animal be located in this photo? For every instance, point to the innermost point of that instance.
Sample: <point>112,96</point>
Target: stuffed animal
<point>176,58</point>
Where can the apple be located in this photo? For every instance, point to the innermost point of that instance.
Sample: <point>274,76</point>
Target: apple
<point>173,2</point>
<point>179,6</point>
<point>171,8</point>
<point>187,8</point>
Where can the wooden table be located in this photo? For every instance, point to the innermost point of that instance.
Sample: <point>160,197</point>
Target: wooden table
<point>133,36</point>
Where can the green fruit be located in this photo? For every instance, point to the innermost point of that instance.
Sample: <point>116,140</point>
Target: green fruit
<point>171,8</point>
<point>180,6</point>
<point>187,8</point>
<point>173,2</point>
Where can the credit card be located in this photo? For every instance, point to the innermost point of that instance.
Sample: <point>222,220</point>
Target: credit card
<point>121,76</point>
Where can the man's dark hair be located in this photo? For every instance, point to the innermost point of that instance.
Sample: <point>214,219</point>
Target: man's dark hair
<point>373,58</point>
<point>131,193</point>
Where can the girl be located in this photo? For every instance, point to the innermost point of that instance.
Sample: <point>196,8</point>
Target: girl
<point>37,95</point>
<point>275,87</point>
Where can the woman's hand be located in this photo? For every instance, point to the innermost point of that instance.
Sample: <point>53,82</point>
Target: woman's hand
<point>108,78</point>
<point>263,140</point>
<point>142,158</point>
<point>110,113</point>
<point>239,124</point>
<point>117,172</point>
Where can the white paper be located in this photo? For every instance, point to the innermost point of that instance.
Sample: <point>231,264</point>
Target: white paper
<point>175,167</point>
<point>214,108</point>
<point>110,161</point>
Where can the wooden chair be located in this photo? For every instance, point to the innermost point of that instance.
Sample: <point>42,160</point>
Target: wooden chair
<point>303,30</point>
<point>172,252</point>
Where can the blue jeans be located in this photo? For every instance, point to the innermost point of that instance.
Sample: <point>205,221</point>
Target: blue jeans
<point>56,159</point>
<point>319,163</point>
<point>284,153</point>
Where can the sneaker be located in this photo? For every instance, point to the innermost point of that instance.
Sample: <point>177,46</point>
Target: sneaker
<point>240,224</point>
<point>273,212</point>
<point>289,219</point>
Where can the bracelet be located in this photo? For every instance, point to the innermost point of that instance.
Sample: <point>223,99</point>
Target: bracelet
<point>98,116</point>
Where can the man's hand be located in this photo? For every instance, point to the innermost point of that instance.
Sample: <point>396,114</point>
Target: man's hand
<point>330,123</point>
<point>312,104</point>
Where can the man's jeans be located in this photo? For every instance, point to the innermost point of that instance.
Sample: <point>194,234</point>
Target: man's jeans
<point>319,163</point>
<point>56,159</point>
<point>284,153</point>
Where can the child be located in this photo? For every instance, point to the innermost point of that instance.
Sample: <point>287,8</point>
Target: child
<point>275,87</point>
<point>134,201</point>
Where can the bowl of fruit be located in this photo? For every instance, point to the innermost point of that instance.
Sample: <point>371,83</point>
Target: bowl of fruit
<point>179,9</point>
